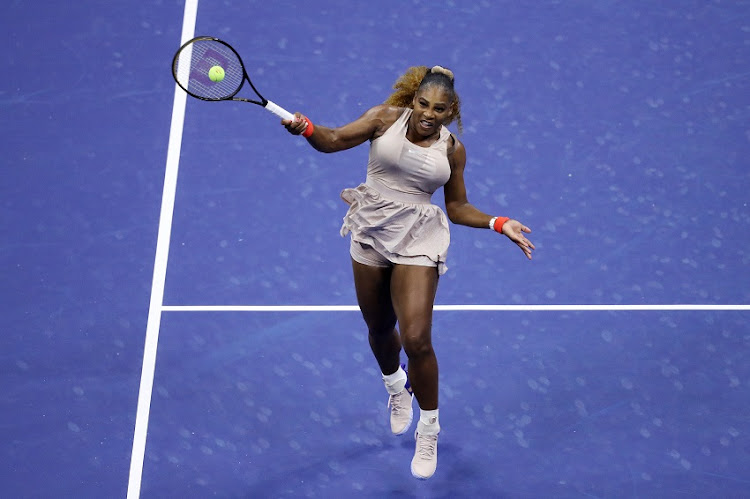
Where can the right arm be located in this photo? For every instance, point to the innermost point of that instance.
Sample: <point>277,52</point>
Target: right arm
<point>371,125</point>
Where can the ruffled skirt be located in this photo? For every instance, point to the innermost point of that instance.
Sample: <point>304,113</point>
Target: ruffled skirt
<point>405,229</point>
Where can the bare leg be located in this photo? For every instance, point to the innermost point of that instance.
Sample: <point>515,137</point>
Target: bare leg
<point>413,290</point>
<point>373,286</point>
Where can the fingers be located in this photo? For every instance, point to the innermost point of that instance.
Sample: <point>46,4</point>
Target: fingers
<point>515,231</point>
<point>525,245</point>
<point>519,238</point>
<point>296,125</point>
<point>289,122</point>
<point>527,250</point>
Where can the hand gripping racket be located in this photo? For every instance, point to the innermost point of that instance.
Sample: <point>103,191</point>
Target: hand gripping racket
<point>194,60</point>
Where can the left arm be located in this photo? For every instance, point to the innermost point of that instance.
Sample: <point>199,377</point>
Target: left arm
<point>461,212</point>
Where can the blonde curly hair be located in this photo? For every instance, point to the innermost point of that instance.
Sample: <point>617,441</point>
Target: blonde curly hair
<point>417,77</point>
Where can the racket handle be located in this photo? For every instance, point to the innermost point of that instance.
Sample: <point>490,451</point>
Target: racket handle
<point>279,111</point>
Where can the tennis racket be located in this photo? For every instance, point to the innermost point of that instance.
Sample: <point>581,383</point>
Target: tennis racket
<point>194,60</point>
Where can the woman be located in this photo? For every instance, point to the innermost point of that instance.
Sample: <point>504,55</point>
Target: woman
<point>399,239</point>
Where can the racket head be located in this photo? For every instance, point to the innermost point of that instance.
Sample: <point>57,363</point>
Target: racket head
<point>196,57</point>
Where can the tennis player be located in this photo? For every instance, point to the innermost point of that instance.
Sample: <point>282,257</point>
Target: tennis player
<point>399,239</point>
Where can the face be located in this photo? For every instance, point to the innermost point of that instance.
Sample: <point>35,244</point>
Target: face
<point>432,107</point>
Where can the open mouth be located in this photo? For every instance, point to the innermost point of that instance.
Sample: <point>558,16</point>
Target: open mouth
<point>427,125</point>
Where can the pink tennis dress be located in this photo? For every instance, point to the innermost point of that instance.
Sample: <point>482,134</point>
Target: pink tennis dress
<point>392,211</point>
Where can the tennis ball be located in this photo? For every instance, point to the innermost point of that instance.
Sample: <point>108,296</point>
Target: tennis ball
<point>216,73</point>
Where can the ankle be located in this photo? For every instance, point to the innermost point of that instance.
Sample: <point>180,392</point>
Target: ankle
<point>429,422</point>
<point>395,382</point>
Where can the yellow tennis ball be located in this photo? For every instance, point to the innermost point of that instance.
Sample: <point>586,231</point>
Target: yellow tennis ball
<point>216,73</point>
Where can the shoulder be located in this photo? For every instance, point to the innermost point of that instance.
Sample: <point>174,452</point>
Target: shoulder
<point>455,146</point>
<point>386,111</point>
<point>383,116</point>
<point>456,152</point>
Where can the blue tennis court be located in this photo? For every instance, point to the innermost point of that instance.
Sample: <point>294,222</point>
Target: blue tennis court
<point>179,318</point>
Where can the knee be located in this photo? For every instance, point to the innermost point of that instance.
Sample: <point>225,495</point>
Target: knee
<point>416,340</point>
<point>381,332</point>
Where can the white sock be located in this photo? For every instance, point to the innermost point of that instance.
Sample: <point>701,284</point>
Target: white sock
<point>395,382</point>
<point>429,422</point>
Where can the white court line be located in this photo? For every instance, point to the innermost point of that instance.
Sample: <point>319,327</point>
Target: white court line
<point>480,308</point>
<point>160,269</point>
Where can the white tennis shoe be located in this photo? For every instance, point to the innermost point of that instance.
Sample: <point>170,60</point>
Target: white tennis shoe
<point>424,462</point>
<point>402,414</point>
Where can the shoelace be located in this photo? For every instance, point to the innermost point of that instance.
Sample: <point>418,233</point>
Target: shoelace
<point>393,403</point>
<point>426,445</point>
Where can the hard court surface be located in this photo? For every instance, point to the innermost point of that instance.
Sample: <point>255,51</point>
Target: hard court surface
<point>613,365</point>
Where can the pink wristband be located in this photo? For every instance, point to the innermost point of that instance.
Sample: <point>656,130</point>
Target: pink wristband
<point>309,129</point>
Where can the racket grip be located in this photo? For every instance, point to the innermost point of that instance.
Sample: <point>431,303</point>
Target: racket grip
<point>279,111</point>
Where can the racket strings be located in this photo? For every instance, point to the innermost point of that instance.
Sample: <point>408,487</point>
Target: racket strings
<point>192,65</point>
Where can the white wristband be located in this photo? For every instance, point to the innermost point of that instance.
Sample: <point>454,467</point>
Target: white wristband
<point>492,223</point>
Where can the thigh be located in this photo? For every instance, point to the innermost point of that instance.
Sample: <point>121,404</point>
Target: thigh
<point>366,255</point>
<point>413,290</point>
<point>373,287</point>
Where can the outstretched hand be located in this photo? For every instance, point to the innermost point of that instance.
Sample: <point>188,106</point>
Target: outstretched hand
<point>515,231</point>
